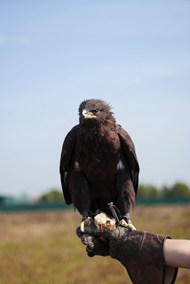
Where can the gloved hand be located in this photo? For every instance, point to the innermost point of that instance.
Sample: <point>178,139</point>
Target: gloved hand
<point>141,253</point>
<point>101,236</point>
<point>95,234</point>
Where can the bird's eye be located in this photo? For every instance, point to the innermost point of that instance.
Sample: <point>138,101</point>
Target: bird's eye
<point>95,111</point>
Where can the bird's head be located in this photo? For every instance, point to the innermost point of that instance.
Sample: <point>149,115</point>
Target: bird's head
<point>95,111</point>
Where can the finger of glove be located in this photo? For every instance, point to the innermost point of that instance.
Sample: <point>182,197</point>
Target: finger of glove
<point>90,253</point>
<point>94,245</point>
<point>100,248</point>
<point>86,239</point>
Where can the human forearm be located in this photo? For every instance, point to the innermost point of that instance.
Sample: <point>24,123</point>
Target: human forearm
<point>177,253</point>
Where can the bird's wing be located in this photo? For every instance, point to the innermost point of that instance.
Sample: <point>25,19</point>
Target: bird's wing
<point>66,160</point>
<point>128,149</point>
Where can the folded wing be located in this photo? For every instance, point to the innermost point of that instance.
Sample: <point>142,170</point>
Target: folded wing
<point>66,161</point>
<point>129,152</point>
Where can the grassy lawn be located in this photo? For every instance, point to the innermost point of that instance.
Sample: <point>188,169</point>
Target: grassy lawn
<point>42,247</point>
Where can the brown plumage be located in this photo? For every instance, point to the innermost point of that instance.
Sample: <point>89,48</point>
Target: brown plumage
<point>98,162</point>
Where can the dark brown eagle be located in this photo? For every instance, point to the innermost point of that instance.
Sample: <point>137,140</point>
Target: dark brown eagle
<point>98,162</point>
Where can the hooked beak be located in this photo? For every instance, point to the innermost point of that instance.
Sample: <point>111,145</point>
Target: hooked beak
<point>87,114</point>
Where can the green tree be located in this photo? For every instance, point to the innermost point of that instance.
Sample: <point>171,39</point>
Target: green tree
<point>52,195</point>
<point>180,189</point>
<point>148,191</point>
<point>166,191</point>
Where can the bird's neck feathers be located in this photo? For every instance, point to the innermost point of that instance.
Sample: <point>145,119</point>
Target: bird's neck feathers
<point>97,132</point>
<point>108,124</point>
<point>99,126</point>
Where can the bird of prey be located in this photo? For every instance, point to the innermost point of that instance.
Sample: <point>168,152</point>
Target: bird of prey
<point>98,163</point>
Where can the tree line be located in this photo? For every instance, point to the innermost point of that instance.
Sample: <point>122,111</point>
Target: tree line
<point>145,191</point>
<point>177,190</point>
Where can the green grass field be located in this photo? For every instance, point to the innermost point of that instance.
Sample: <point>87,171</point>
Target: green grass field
<point>42,247</point>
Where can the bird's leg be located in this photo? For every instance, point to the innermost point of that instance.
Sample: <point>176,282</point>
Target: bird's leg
<point>126,221</point>
<point>86,219</point>
<point>85,215</point>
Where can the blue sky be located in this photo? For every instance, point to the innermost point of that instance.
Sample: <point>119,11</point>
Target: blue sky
<point>54,54</point>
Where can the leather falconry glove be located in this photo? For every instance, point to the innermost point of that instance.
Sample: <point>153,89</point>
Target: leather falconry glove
<point>141,253</point>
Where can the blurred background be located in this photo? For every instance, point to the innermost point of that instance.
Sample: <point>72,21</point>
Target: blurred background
<point>135,55</point>
<point>55,54</point>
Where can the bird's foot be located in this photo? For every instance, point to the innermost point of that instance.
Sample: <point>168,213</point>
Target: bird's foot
<point>85,222</point>
<point>126,223</point>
